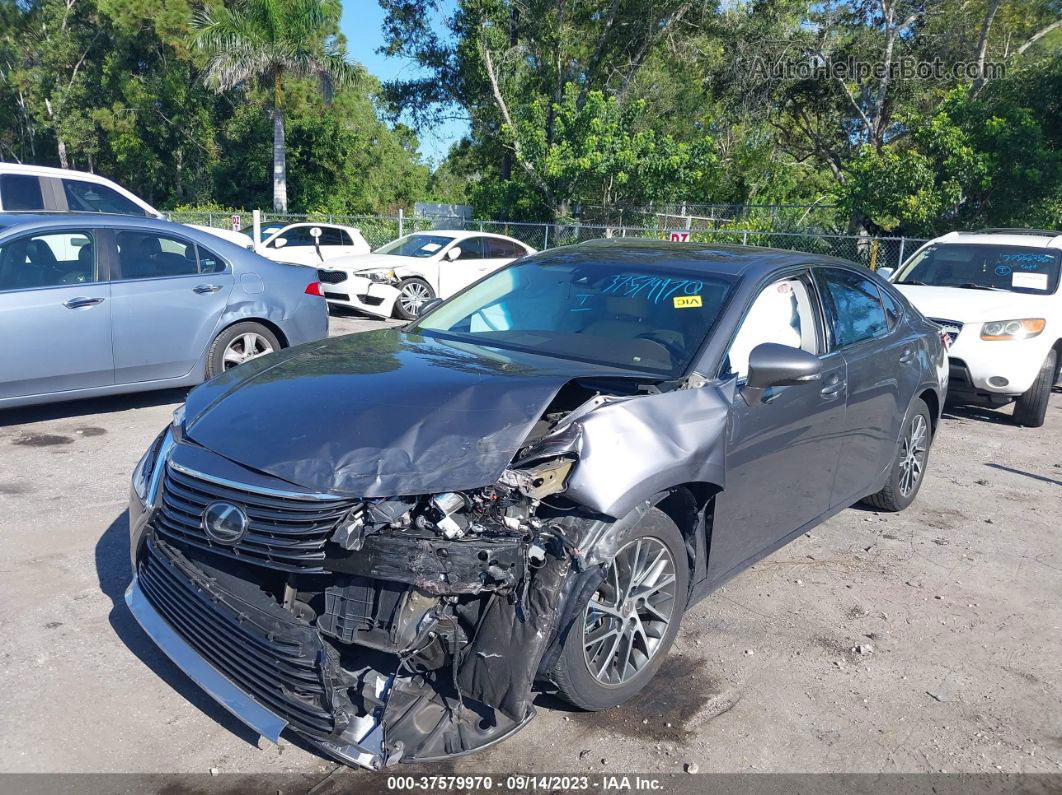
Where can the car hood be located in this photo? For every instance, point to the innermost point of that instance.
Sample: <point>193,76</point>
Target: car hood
<point>970,306</point>
<point>382,413</point>
<point>364,262</point>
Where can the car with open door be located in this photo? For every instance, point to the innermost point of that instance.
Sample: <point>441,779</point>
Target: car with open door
<point>386,541</point>
<point>399,278</point>
<point>98,304</point>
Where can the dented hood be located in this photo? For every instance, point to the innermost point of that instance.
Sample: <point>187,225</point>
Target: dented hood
<point>382,413</point>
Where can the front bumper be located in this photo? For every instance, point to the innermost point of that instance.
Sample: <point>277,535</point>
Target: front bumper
<point>980,367</point>
<point>356,292</point>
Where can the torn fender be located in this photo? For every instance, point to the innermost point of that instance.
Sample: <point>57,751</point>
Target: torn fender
<point>631,449</point>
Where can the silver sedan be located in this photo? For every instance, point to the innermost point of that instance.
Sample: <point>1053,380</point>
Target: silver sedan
<point>95,304</point>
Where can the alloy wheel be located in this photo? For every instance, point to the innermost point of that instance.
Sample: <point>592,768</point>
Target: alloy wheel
<point>913,454</point>
<point>244,348</point>
<point>412,296</point>
<point>628,616</point>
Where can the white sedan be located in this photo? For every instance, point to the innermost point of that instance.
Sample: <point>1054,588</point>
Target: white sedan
<point>402,276</point>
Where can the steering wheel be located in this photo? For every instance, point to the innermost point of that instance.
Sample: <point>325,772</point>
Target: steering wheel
<point>677,353</point>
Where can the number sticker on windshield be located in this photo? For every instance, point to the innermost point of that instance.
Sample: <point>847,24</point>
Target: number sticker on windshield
<point>687,301</point>
<point>1030,281</point>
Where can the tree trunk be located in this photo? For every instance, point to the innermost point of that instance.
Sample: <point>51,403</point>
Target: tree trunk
<point>64,162</point>
<point>280,167</point>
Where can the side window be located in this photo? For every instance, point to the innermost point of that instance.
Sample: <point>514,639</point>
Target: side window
<point>52,259</point>
<point>149,255</point>
<point>471,248</point>
<point>209,262</point>
<point>330,236</point>
<point>497,248</point>
<point>893,310</point>
<point>853,307</point>
<point>783,313</point>
<point>90,197</point>
<point>296,236</point>
<point>21,192</point>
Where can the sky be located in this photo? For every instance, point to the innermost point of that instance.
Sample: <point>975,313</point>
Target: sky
<point>361,24</point>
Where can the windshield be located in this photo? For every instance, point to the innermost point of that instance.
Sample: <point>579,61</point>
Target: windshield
<point>419,246</point>
<point>652,319</point>
<point>1020,269</point>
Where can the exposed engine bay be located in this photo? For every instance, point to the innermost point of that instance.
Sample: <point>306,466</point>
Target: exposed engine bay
<point>424,621</point>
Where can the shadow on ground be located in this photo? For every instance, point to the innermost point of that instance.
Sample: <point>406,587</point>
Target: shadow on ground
<point>81,408</point>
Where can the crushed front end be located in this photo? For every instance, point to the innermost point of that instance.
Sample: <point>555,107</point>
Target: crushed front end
<point>382,630</point>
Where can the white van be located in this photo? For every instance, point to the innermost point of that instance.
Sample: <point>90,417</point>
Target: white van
<point>36,188</point>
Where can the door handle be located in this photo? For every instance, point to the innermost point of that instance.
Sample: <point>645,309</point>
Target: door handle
<point>203,289</point>
<point>834,387</point>
<point>82,302</point>
<point>907,356</point>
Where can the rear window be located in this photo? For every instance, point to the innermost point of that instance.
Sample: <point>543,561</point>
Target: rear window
<point>21,192</point>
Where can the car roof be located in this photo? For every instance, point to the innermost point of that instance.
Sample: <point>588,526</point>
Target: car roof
<point>48,171</point>
<point>464,234</point>
<point>1033,238</point>
<point>752,261</point>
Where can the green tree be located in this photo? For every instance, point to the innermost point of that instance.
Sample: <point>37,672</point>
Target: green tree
<point>266,41</point>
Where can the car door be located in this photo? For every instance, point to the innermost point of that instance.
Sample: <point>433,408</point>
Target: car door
<point>882,361</point>
<point>333,242</point>
<point>168,297</point>
<point>468,267</point>
<point>55,296</point>
<point>498,252</point>
<point>782,443</point>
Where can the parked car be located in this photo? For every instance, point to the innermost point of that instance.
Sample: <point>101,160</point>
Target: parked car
<point>35,188</point>
<point>402,276</point>
<point>98,304</point>
<point>529,483</point>
<point>27,188</point>
<point>996,294</point>
<point>311,243</point>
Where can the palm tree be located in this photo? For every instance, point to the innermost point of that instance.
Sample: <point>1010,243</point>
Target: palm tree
<point>265,41</point>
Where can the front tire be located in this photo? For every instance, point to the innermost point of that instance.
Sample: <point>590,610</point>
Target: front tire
<point>413,293</point>
<point>623,635</point>
<point>237,344</point>
<point>1030,409</point>
<point>909,465</point>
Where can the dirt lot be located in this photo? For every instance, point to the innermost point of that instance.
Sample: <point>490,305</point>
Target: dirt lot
<point>956,605</point>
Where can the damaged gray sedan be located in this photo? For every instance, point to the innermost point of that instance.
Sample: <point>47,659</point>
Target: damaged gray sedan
<point>386,542</point>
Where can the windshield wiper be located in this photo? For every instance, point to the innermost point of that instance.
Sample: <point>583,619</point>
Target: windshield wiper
<point>912,281</point>
<point>972,286</point>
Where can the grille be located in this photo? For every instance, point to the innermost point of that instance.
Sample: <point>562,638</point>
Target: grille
<point>331,277</point>
<point>951,328</point>
<point>279,673</point>
<point>285,533</point>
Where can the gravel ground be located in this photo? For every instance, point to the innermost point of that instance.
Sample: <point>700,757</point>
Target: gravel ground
<point>921,642</point>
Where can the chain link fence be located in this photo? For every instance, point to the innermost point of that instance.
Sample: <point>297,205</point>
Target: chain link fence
<point>871,252</point>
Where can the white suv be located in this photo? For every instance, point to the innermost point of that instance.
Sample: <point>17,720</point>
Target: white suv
<point>996,294</point>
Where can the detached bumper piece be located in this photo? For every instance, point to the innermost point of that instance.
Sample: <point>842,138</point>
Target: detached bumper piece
<point>340,671</point>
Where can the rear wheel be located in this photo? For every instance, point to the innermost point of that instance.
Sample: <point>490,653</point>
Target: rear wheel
<point>631,620</point>
<point>412,295</point>
<point>909,466</point>
<point>239,343</point>
<point>1030,409</point>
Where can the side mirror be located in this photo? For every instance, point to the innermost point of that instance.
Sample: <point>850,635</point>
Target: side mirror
<point>453,253</point>
<point>886,273</point>
<point>771,364</point>
<point>280,242</point>
<point>427,306</point>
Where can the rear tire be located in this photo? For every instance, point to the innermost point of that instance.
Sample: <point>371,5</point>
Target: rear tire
<point>239,343</point>
<point>413,293</point>
<point>1030,409</point>
<point>663,551</point>
<point>909,465</point>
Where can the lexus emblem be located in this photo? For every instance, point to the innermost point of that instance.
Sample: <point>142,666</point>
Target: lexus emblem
<point>224,522</point>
